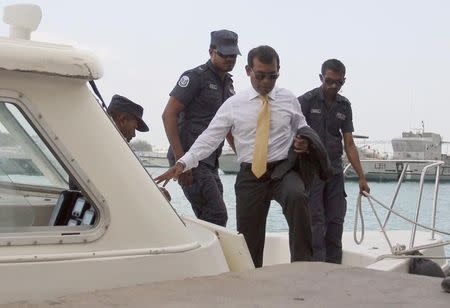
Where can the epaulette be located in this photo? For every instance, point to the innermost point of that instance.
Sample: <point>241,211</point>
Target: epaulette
<point>309,95</point>
<point>343,99</point>
<point>201,68</point>
<point>196,70</point>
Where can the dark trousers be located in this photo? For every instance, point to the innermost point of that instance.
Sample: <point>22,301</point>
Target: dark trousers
<point>253,198</point>
<point>328,206</point>
<point>206,195</point>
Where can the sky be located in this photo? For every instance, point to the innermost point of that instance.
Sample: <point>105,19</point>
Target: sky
<point>397,53</point>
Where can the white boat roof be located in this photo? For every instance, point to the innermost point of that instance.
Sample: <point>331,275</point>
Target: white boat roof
<point>50,59</point>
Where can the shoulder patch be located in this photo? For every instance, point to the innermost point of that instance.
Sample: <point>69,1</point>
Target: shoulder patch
<point>184,81</point>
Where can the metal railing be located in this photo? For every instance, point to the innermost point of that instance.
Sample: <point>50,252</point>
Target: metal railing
<point>427,164</point>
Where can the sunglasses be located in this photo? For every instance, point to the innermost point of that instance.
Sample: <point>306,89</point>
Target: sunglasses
<point>225,56</point>
<point>337,82</point>
<point>261,76</point>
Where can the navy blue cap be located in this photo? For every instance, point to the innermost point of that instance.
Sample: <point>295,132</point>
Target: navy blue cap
<point>123,104</point>
<point>226,42</point>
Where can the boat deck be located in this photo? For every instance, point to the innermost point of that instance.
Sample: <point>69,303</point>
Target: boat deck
<point>299,284</point>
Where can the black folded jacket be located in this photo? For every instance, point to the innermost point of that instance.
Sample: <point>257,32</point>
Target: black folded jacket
<point>308,165</point>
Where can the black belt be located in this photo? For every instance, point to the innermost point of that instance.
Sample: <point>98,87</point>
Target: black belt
<point>270,165</point>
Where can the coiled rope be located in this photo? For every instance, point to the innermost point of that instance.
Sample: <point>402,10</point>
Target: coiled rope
<point>398,251</point>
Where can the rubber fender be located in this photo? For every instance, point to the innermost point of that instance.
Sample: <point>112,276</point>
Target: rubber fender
<point>446,284</point>
<point>425,267</point>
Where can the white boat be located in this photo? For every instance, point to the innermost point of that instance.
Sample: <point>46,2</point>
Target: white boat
<point>119,230</point>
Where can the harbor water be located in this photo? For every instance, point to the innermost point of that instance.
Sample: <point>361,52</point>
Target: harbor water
<point>405,204</point>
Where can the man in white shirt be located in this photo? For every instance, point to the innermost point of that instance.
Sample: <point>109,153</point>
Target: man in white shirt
<point>242,114</point>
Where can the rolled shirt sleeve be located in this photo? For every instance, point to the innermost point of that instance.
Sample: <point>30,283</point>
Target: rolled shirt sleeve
<point>347,125</point>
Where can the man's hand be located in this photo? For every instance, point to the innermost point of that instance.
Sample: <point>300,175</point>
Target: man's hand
<point>301,144</point>
<point>363,186</point>
<point>172,173</point>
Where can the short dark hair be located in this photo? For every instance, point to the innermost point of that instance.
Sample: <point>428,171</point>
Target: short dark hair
<point>265,54</point>
<point>212,46</point>
<point>333,65</point>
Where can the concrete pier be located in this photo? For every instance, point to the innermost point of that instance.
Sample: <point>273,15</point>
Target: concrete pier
<point>288,285</point>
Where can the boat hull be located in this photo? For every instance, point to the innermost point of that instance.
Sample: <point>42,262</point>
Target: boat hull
<point>385,171</point>
<point>69,274</point>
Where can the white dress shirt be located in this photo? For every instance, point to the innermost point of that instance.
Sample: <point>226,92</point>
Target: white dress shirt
<point>239,114</point>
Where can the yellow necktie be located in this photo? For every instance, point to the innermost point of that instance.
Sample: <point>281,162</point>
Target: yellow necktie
<point>259,163</point>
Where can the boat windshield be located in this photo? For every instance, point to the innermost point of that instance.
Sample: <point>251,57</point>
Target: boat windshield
<point>34,189</point>
<point>24,157</point>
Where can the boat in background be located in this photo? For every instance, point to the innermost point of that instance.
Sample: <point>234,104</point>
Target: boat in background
<point>415,147</point>
<point>228,162</point>
<point>229,165</point>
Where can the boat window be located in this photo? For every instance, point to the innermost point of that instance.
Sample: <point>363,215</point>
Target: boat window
<point>34,189</point>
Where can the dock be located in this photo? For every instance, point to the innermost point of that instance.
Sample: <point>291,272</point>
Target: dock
<point>301,284</point>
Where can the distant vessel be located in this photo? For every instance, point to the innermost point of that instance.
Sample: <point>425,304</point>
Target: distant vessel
<point>153,159</point>
<point>228,162</point>
<point>414,147</point>
<point>229,165</point>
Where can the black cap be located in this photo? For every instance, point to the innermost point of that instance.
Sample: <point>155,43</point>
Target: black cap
<point>226,42</point>
<point>123,104</point>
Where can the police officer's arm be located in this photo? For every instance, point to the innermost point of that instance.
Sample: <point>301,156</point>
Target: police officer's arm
<point>170,119</point>
<point>353,158</point>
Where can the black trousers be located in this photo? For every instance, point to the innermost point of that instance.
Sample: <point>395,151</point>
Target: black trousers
<point>253,198</point>
<point>206,195</point>
<point>328,206</point>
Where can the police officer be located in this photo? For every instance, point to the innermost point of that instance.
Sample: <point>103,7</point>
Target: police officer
<point>127,116</point>
<point>330,114</point>
<point>193,103</point>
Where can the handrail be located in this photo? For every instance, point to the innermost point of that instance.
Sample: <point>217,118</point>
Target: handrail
<point>397,189</point>
<point>419,198</point>
<point>395,249</point>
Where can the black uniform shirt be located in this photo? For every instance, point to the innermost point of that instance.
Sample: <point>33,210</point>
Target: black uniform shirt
<point>330,124</point>
<point>202,92</point>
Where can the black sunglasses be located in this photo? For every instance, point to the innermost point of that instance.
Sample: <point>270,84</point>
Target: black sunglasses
<point>226,56</point>
<point>261,76</point>
<point>337,82</point>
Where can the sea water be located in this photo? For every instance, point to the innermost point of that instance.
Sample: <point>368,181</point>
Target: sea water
<point>406,204</point>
